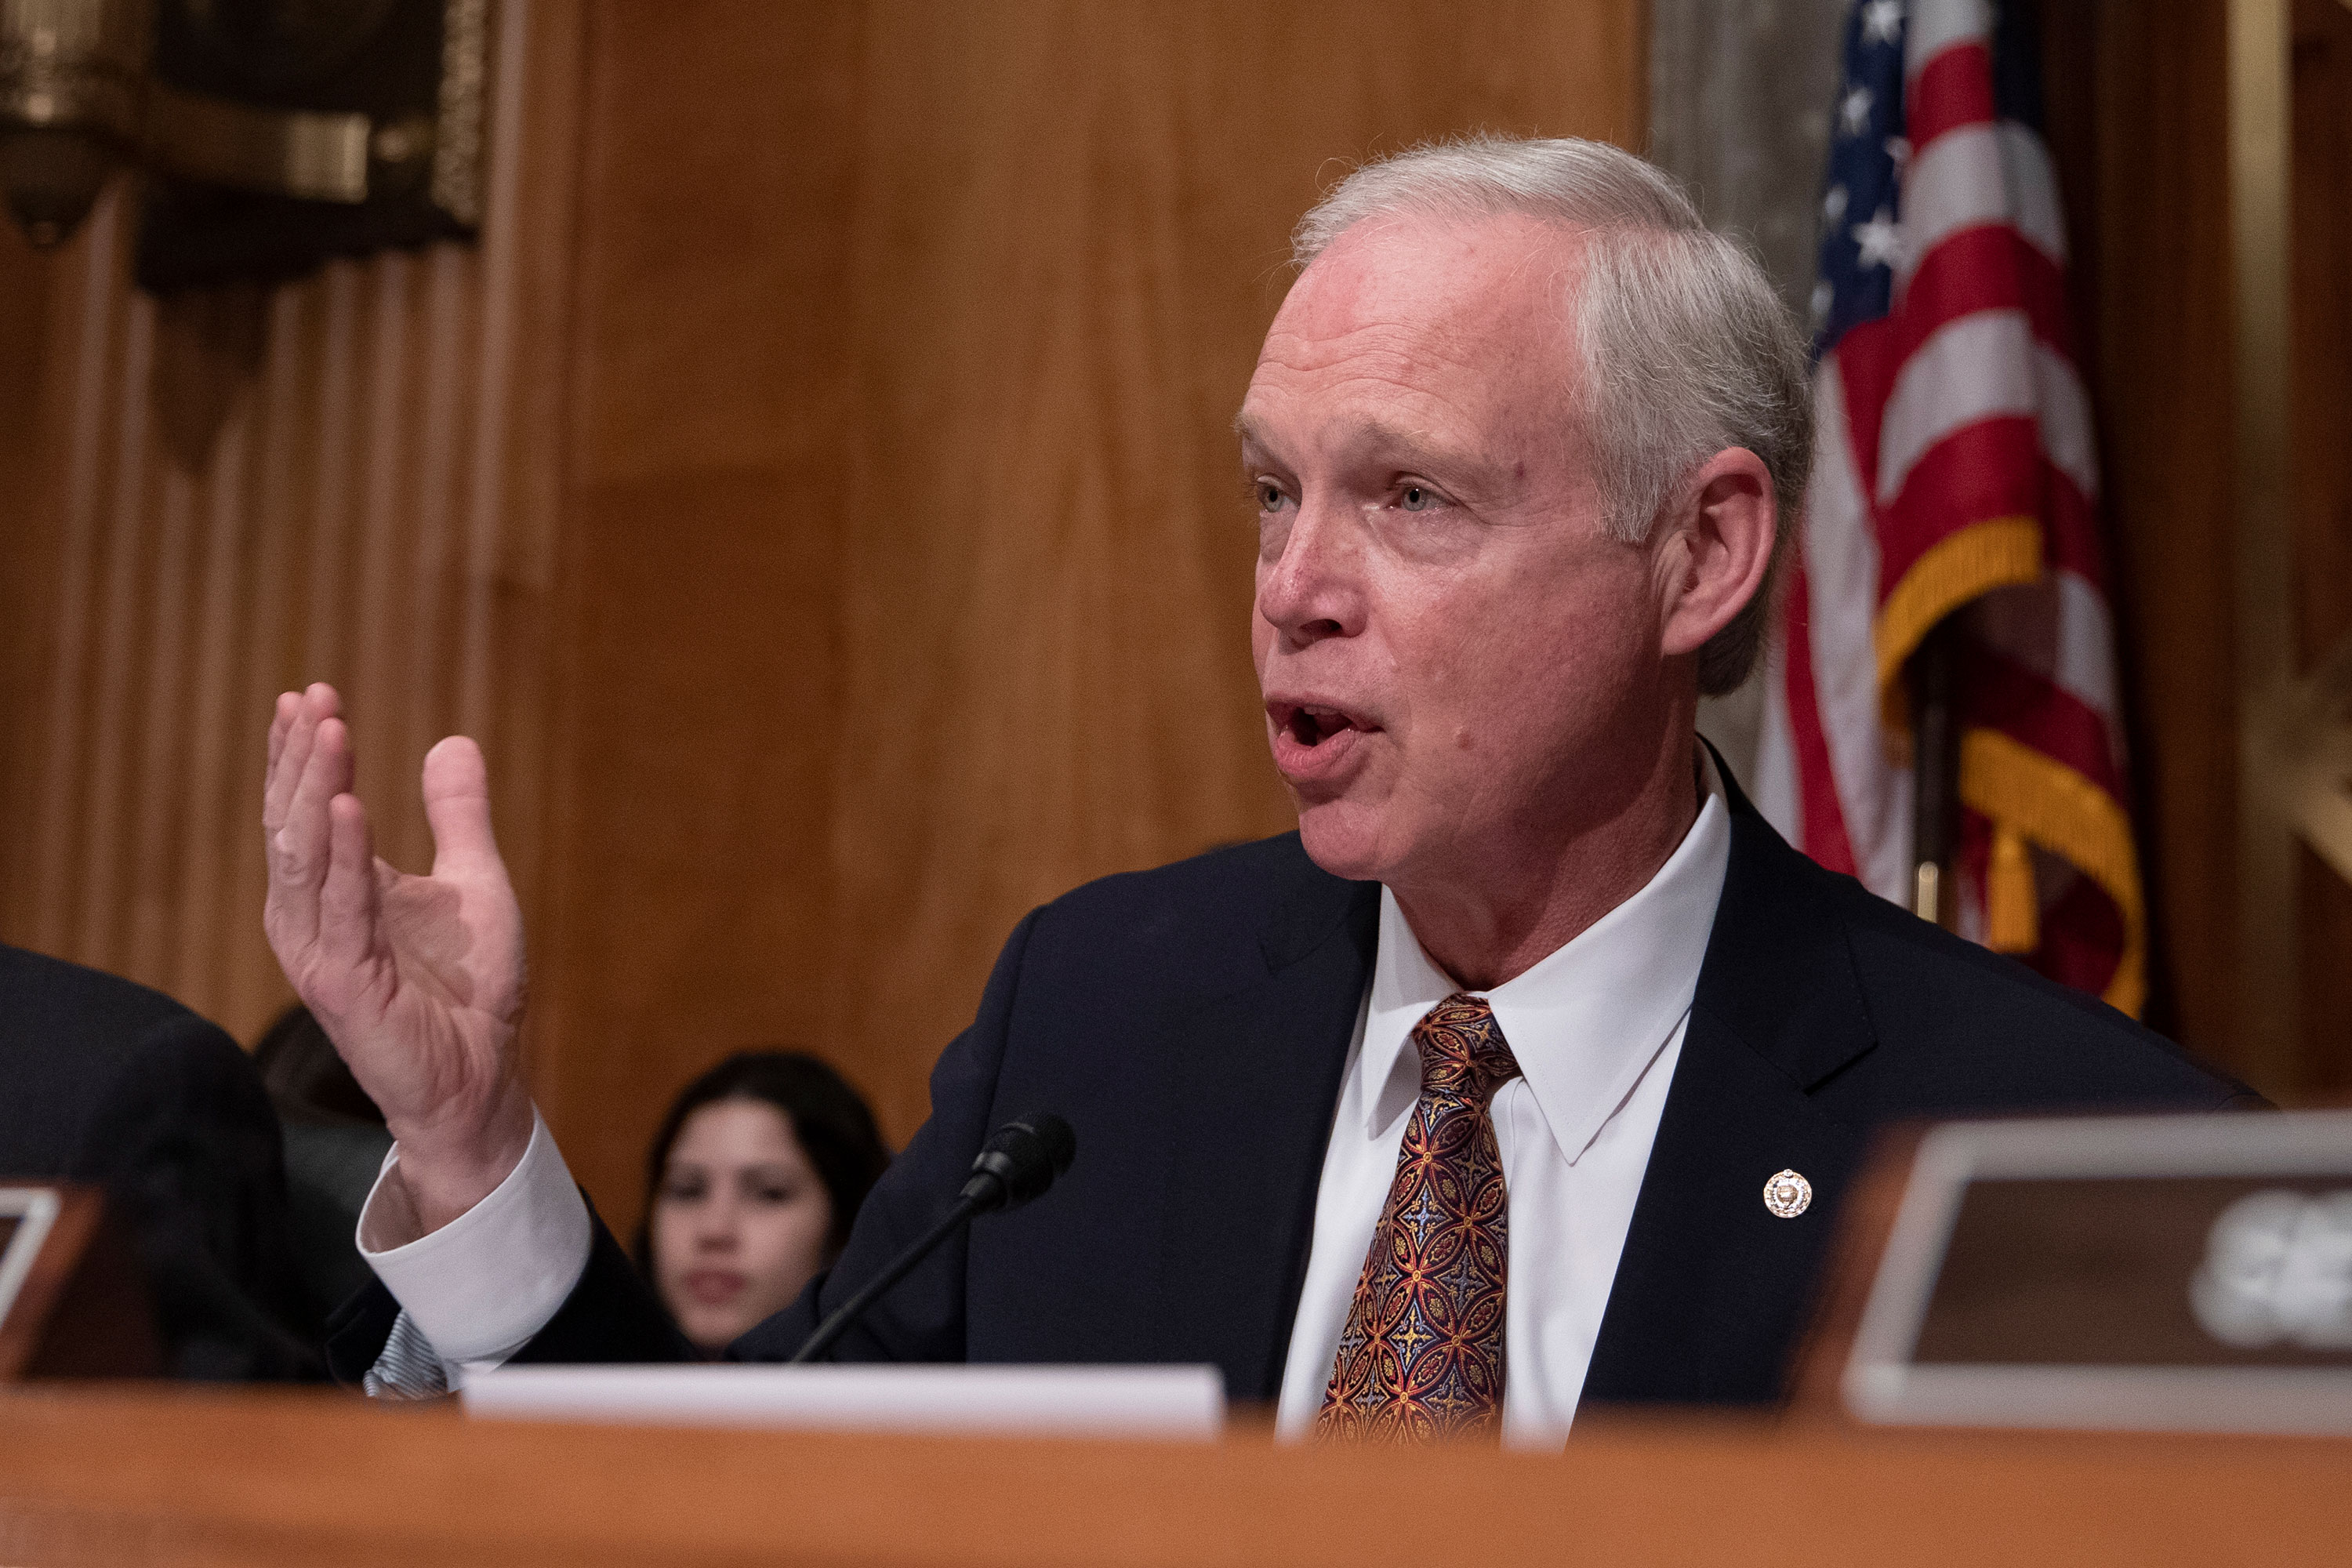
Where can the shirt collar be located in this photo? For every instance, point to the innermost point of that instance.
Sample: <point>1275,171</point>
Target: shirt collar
<point>1586,1021</point>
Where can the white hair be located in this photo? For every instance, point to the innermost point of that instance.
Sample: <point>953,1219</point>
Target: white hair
<point>1686,349</point>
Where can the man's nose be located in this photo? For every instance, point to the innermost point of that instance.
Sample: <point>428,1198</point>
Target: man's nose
<point>1313,590</point>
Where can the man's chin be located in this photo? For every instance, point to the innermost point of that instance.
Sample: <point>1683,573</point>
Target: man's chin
<point>1344,838</point>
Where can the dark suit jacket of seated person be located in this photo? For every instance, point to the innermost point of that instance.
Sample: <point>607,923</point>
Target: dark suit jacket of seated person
<point>109,1082</point>
<point>1519,507</point>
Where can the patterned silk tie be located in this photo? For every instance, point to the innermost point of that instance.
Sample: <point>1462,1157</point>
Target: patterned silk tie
<point>1422,1355</point>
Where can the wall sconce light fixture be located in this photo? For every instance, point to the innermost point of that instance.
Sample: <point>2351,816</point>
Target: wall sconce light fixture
<point>270,134</point>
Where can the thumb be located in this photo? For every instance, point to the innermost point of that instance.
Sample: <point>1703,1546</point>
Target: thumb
<point>457,806</point>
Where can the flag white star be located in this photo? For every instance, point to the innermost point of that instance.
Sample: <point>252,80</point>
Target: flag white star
<point>1853,111</point>
<point>1880,240</point>
<point>1823,298</point>
<point>1881,22</point>
<point>1898,152</point>
<point>1833,206</point>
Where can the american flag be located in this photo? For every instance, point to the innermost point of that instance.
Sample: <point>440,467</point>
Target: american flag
<point>1955,472</point>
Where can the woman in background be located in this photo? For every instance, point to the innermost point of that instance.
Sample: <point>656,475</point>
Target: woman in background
<point>750,1189</point>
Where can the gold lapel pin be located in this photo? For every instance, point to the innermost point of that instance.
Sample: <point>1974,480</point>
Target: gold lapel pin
<point>1787,1194</point>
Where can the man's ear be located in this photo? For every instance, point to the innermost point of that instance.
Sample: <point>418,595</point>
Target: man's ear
<point>1713,548</point>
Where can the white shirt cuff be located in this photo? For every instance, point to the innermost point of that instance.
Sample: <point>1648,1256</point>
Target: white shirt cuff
<point>482,1285</point>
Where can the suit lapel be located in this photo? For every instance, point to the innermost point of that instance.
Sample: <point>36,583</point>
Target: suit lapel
<point>1712,1290</point>
<point>1254,1077</point>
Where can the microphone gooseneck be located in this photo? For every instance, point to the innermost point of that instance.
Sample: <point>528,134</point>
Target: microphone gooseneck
<point>1020,1161</point>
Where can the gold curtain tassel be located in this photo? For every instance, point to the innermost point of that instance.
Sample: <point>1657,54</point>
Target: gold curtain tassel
<point>2012,907</point>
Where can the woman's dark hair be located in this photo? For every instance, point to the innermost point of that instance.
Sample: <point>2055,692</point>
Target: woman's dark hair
<point>830,1119</point>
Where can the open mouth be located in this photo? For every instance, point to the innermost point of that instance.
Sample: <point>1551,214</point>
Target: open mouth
<point>1312,723</point>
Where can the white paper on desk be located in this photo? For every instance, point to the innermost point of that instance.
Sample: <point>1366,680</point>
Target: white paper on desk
<point>1162,1401</point>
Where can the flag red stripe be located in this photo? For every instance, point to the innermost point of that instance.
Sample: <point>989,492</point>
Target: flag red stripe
<point>1988,267</point>
<point>2000,694</point>
<point>1990,469</point>
<point>1869,359</point>
<point>2082,937</point>
<point>2070,534</point>
<point>1953,89</point>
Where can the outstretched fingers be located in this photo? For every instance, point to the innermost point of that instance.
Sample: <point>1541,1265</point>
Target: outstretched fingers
<point>350,916</point>
<point>281,720</point>
<point>300,846</point>
<point>293,730</point>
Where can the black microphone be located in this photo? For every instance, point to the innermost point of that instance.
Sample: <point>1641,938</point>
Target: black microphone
<point>1016,1165</point>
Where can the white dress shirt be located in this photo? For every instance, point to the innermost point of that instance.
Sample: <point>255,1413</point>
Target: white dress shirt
<point>1596,1026</point>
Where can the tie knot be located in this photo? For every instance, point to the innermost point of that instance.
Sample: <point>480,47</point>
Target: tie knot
<point>1463,1052</point>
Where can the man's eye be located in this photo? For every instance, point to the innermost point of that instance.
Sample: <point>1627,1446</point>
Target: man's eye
<point>1417,497</point>
<point>1270,497</point>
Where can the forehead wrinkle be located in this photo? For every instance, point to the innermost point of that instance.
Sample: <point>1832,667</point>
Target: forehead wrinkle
<point>1357,336</point>
<point>1343,367</point>
<point>1510,246</point>
<point>1402,356</point>
<point>1405,357</point>
<point>1410,441</point>
<point>1408,447</point>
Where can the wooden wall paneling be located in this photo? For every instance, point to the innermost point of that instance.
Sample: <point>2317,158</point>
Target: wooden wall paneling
<point>1046,591</point>
<point>263,600</point>
<point>38,560</point>
<point>239,491</point>
<point>816,493</point>
<point>2161,376</point>
<point>702,496</point>
<point>1072,226</point>
<point>505,684</point>
<point>907,571</point>
<point>31,426</point>
<point>2321,306</point>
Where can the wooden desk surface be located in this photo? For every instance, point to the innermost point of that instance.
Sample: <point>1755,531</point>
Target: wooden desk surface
<point>142,1475</point>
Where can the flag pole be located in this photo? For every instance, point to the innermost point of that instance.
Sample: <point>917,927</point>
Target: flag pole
<point>1936,779</point>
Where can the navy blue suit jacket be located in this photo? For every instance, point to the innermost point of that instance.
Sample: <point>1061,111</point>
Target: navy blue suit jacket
<point>1193,1023</point>
<point>105,1081</point>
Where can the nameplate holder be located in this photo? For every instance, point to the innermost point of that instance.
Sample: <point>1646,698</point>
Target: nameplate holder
<point>1160,1403</point>
<point>2160,1273</point>
<point>72,1300</point>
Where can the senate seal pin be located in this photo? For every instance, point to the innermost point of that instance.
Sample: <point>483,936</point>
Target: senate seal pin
<point>1787,1194</point>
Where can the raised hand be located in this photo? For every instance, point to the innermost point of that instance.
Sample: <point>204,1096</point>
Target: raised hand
<point>419,981</point>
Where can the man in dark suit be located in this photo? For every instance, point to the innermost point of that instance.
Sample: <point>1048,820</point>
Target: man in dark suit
<point>108,1082</point>
<point>1528,1074</point>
